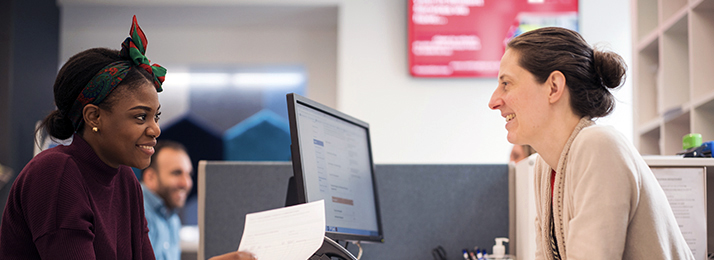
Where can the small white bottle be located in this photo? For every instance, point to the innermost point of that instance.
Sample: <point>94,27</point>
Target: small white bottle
<point>499,250</point>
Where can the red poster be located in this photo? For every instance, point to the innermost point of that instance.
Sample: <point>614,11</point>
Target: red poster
<point>466,38</point>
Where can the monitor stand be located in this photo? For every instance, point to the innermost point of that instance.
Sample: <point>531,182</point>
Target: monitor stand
<point>291,198</point>
<point>329,248</point>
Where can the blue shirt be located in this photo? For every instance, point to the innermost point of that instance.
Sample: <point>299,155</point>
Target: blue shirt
<point>164,226</point>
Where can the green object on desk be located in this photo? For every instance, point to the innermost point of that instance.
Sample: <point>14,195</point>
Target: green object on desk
<point>691,140</point>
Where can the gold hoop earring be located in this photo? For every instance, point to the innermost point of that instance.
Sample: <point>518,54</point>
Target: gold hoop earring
<point>95,129</point>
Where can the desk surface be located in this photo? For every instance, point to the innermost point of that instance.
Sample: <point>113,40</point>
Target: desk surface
<point>189,239</point>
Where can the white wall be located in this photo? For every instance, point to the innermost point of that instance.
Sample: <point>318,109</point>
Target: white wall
<point>413,120</point>
<point>441,120</point>
<point>181,36</point>
<point>607,23</point>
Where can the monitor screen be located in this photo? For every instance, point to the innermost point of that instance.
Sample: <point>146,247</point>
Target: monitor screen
<point>332,160</point>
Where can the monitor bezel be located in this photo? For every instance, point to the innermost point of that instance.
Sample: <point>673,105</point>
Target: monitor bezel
<point>293,101</point>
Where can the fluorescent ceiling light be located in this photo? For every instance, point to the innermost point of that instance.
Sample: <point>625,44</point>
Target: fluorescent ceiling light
<point>197,79</point>
<point>177,79</point>
<point>209,79</point>
<point>246,80</point>
<point>289,79</point>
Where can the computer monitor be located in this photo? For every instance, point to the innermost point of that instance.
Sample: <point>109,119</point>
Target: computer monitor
<point>332,160</point>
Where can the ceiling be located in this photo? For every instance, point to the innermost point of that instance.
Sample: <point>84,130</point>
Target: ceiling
<point>320,17</point>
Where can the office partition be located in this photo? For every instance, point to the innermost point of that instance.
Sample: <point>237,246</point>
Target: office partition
<point>423,206</point>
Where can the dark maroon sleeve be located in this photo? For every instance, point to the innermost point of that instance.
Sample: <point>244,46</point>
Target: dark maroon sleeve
<point>57,210</point>
<point>147,250</point>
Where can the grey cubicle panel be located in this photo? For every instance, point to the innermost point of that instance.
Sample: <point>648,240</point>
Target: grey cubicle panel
<point>422,206</point>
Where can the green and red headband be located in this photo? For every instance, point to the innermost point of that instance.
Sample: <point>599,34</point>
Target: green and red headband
<point>133,50</point>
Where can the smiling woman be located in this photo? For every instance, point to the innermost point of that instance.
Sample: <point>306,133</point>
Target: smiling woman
<point>595,196</point>
<point>82,201</point>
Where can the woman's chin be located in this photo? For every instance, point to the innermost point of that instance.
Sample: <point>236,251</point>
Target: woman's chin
<point>511,138</point>
<point>141,165</point>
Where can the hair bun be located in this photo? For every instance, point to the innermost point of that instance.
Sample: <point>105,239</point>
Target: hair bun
<point>58,125</point>
<point>610,68</point>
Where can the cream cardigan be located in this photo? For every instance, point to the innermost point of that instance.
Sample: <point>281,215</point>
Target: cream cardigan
<point>607,203</point>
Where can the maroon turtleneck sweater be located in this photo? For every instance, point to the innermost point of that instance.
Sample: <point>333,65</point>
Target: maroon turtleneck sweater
<point>68,204</point>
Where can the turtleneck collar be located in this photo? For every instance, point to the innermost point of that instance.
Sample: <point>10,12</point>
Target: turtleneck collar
<point>86,156</point>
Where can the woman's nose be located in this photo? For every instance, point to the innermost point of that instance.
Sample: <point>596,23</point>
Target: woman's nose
<point>154,130</point>
<point>495,101</point>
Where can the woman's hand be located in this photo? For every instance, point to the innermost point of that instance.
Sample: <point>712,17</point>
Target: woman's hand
<point>234,256</point>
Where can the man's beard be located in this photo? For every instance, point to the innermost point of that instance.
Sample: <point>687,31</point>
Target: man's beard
<point>165,194</point>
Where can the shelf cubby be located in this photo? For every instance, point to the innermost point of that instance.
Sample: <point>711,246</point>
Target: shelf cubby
<point>649,142</point>
<point>646,89</point>
<point>674,130</point>
<point>675,65</point>
<point>702,4</point>
<point>702,37</point>
<point>646,17</point>
<point>702,120</point>
<point>671,7</point>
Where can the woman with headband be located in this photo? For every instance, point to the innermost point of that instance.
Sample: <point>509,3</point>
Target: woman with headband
<point>83,201</point>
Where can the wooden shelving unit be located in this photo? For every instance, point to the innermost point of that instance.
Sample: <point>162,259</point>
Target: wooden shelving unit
<point>673,73</point>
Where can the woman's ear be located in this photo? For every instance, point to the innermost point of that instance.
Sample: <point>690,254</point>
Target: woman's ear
<point>91,115</point>
<point>556,85</point>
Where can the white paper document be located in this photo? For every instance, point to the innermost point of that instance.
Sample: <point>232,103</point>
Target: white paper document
<point>684,188</point>
<point>290,233</point>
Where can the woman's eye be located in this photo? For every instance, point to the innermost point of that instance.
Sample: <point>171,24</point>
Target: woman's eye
<point>141,117</point>
<point>157,117</point>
